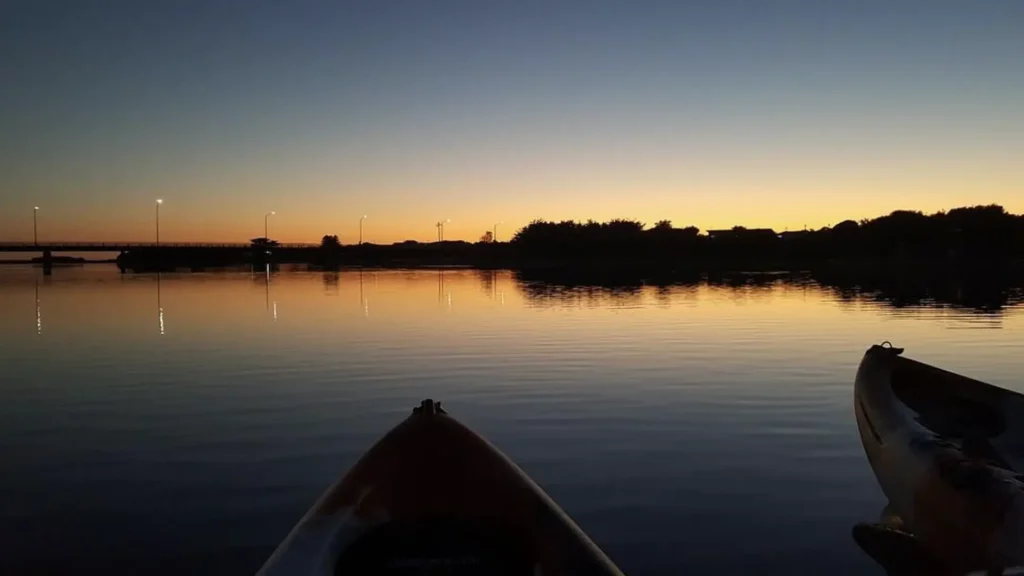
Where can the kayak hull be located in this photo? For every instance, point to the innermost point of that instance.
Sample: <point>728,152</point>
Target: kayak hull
<point>947,452</point>
<point>432,493</point>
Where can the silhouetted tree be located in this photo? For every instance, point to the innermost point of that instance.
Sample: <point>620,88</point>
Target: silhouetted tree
<point>846,227</point>
<point>263,243</point>
<point>330,251</point>
<point>487,237</point>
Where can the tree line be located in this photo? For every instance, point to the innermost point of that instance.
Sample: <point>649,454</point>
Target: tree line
<point>976,232</point>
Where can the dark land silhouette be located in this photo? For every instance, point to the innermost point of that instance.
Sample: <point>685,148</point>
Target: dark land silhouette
<point>967,235</point>
<point>980,238</point>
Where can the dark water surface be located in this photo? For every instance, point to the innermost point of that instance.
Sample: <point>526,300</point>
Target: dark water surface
<point>184,426</point>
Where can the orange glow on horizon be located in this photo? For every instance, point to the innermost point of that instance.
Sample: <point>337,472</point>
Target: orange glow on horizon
<point>187,222</point>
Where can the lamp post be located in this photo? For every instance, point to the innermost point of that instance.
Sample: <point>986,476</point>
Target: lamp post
<point>441,225</point>
<point>159,201</point>
<point>35,226</point>
<point>266,224</point>
<point>361,228</point>
<point>494,234</point>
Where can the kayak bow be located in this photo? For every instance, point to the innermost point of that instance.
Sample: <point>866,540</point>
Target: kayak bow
<point>434,497</point>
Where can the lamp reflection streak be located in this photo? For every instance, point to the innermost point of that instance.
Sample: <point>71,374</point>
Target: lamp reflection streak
<point>270,307</point>
<point>364,303</point>
<point>159,306</point>
<point>39,314</point>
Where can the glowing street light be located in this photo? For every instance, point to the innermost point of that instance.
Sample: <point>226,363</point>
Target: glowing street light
<point>494,234</point>
<point>266,224</point>
<point>35,226</point>
<point>361,228</point>
<point>159,201</point>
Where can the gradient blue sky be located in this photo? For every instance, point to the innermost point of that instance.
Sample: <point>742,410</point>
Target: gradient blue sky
<point>761,113</point>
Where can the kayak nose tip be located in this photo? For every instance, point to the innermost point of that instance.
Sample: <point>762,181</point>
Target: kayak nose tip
<point>429,408</point>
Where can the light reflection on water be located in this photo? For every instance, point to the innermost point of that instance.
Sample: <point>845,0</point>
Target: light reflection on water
<point>691,428</point>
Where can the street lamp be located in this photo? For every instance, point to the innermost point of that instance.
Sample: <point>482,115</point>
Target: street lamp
<point>440,226</point>
<point>494,234</point>
<point>361,228</point>
<point>159,201</point>
<point>266,224</point>
<point>35,226</point>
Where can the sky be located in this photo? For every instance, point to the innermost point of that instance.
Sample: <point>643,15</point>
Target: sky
<point>774,113</point>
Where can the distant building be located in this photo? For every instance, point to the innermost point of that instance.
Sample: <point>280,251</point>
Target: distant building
<point>793,235</point>
<point>741,233</point>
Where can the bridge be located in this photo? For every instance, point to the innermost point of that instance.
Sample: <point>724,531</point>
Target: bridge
<point>155,256</point>
<point>127,246</point>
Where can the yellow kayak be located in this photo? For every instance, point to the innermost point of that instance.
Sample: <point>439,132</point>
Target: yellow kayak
<point>948,452</point>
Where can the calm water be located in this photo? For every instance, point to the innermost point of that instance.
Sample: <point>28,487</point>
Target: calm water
<point>185,424</point>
